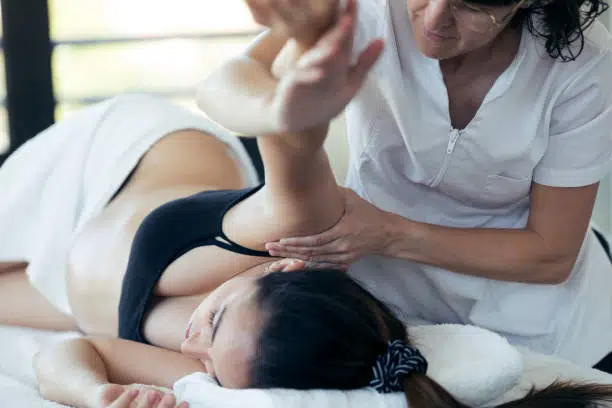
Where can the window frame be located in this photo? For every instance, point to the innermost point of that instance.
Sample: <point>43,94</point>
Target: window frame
<point>30,100</point>
<point>27,48</point>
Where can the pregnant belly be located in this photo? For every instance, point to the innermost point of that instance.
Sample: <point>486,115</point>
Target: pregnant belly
<point>100,254</point>
<point>96,267</point>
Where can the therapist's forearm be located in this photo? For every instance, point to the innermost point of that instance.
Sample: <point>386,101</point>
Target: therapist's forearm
<point>516,255</point>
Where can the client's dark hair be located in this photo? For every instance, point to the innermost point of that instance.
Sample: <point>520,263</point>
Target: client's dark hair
<point>322,330</point>
<point>561,23</point>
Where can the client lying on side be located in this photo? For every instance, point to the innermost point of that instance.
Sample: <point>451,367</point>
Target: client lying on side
<point>305,329</point>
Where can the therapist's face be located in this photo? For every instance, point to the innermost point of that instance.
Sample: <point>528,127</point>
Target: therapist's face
<point>223,332</point>
<point>442,31</point>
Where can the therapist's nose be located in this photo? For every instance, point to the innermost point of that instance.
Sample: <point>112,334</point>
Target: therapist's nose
<point>438,16</point>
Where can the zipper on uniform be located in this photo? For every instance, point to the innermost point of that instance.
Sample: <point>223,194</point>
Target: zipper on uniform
<point>450,146</point>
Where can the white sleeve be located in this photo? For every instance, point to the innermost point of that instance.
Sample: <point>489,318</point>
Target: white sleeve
<point>368,21</point>
<point>580,139</point>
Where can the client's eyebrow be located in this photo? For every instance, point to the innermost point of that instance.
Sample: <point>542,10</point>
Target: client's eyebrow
<point>217,322</point>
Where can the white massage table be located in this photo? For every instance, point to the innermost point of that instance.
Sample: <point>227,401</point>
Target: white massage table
<point>17,381</point>
<point>18,384</point>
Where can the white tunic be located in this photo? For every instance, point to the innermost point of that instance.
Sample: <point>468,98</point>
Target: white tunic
<point>543,121</point>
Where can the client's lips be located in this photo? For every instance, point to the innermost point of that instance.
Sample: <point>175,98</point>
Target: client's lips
<point>188,329</point>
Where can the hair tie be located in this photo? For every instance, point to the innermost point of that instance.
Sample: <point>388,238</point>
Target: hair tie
<point>397,362</point>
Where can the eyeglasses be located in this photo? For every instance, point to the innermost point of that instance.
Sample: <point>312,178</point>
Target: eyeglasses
<point>478,20</point>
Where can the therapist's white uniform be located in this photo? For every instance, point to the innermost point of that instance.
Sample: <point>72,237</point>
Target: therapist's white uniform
<point>543,121</point>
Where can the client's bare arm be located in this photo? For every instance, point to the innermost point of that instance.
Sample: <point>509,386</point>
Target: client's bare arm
<point>301,193</point>
<point>290,79</point>
<point>249,80</point>
<point>75,372</point>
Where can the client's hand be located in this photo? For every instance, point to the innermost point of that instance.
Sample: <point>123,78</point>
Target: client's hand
<point>303,20</point>
<point>361,231</point>
<point>134,396</point>
<point>324,79</point>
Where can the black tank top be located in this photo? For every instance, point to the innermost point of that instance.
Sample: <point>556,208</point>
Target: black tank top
<point>164,235</point>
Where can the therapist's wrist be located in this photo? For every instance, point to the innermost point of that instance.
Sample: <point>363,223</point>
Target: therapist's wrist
<point>402,236</point>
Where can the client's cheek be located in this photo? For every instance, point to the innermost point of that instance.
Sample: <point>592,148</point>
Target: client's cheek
<point>191,346</point>
<point>209,367</point>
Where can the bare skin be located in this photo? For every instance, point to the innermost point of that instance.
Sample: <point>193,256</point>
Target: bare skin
<point>180,164</point>
<point>210,286</point>
<point>100,252</point>
<point>300,197</point>
<point>468,80</point>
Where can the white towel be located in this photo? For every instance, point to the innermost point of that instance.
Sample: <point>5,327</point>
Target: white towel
<point>59,180</point>
<point>475,365</point>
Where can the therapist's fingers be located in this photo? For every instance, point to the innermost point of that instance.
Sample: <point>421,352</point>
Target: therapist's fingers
<point>288,15</point>
<point>285,265</point>
<point>261,13</point>
<point>305,253</point>
<point>317,240</point>
<point>308,248</point>
<point>325,265</point>
<point>282,251</point>
<point>332,254</point>
<point>338,261</point>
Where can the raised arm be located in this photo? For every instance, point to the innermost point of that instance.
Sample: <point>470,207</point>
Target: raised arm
<point>249,80</point>
<point>78,372</point>
<point>243,81</point>
<point>289,79</point>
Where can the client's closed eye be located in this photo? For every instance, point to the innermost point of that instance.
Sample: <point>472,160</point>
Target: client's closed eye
<point>211,317</point>
<point>215,320</point>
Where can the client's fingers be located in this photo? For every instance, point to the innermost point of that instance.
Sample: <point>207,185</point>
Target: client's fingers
<point>150,400</point>
<point>168,401</point>
<point>330,46</point>
<point>125,399</point>
<point>110,392</point>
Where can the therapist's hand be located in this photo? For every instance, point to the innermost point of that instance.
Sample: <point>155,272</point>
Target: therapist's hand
<point>362,230</point>
<point>294,265</point>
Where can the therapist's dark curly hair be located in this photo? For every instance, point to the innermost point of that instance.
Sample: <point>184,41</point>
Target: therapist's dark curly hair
<point>560,22</point>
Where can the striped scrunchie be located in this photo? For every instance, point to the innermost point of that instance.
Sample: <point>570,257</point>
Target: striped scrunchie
<point>390,368</point>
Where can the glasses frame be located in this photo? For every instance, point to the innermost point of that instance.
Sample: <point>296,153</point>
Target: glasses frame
<point>496,23</point>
